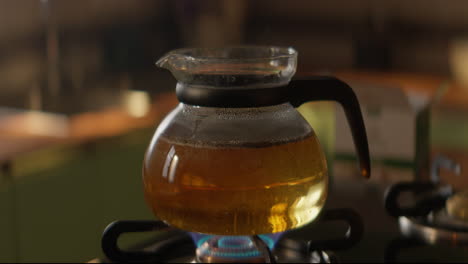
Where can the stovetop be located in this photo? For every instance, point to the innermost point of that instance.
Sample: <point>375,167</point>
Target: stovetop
<point>179,246</point>
<point>383,239</point>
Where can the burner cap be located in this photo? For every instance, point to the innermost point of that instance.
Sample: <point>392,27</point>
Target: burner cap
<point>230,249</point>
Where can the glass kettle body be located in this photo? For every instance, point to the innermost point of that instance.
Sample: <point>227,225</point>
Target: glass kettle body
<point>235,171</point>
<point>235,157</point>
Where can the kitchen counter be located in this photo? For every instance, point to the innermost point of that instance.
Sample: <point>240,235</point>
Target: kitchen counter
<point>23,131</point>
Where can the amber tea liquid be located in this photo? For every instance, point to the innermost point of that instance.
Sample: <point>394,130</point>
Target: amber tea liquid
<point>236,190</point>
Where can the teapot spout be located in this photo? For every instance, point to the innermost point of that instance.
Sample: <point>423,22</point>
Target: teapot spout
<point>165,61</point>
<point>177,63</point>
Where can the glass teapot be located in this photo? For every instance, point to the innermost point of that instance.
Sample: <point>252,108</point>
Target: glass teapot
<point>235,157</point>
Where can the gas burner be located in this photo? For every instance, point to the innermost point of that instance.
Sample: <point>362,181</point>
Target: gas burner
<point>174,245</point>
<point>293,251</point>
<point>215,249</point>
<point>428,219</point>
<point>434,229</point>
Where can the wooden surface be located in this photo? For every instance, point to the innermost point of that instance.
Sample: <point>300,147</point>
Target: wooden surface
<point>18,134</point>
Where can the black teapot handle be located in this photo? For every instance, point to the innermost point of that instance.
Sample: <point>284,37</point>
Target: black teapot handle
<point>323,88</point>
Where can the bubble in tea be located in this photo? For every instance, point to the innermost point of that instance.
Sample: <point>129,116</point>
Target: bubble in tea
<point>236,189</point>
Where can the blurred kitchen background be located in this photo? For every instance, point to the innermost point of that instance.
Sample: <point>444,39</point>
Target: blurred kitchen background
<point>80,97</point>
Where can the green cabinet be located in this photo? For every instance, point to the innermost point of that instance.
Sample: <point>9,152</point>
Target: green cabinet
<point>65,202</point>
<point>8,228</point>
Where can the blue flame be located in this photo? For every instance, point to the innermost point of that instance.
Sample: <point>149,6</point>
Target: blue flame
<point>231,246</point>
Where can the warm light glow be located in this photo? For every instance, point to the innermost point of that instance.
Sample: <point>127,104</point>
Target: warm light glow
<point>35,123</point>
<point>46,124</point>
<point>306,208</point>
<point>458,57</point>
<point>365,173</point>
<point>137,103</point>
<point>277,219</point>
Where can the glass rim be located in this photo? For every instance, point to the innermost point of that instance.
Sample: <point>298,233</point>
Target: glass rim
<point>197,54</point>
